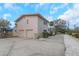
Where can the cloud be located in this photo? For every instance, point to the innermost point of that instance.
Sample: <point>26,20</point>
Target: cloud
<point>71,15</point>
<point>8,5</point>
<point>67,15</point>
<point>49,17</point>
<point>12,24</point>
<point>7,15</point>
<point>41,4</point>
<point>55,9</point>
<point>64,5</point>
<point>38,6</point>
<point>11,6</point>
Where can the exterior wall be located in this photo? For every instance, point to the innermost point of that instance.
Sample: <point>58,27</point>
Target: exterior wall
<point>32,23</point>
<point>14,32</point>
<point>34,27</point>
<point>22,26</point>
<point>42,26</point>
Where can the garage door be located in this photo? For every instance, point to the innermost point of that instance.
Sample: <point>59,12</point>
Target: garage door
<point>21,33</point>
<point>29,34</point>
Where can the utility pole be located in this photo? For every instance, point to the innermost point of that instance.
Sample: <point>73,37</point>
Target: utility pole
<point>68,26</point>
<point>74,26</point>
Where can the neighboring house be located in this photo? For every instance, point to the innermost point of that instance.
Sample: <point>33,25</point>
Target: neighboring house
<point>30,26</point>
<point>52,28</point>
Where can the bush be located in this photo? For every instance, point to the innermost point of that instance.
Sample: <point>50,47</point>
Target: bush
<point>50,34</point>
<point>75,35</point>
<point>62,31</point>
<point>70,33</point>
<point>45,34</point>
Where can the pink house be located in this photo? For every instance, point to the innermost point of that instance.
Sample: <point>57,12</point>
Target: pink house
<point>30,26</point>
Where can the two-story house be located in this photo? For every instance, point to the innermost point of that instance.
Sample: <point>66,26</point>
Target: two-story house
<point>30,26</point>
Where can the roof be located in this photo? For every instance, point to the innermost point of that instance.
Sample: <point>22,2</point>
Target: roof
<point>31,15</point>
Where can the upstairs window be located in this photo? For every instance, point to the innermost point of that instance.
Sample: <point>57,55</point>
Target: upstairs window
<point>45,22</point>
<point>15,30</point>
<point>15,24</point>
<point>27,21</point>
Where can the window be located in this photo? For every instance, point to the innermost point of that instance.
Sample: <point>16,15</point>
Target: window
<point>15,24</point>
<point>15,30</point>
<point>44,30</point>
<point>27,21</point>
<point>45,22</point>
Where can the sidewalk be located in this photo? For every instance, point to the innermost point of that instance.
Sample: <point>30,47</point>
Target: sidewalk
<point>72,46</point>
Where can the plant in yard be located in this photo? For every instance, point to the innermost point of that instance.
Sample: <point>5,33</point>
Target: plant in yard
<point>4,25</point>
<point>45,34</point>
<point>76,32</point>
<point>57,26</point>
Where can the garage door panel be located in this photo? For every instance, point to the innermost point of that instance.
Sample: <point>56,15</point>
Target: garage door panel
<point>29,34</point>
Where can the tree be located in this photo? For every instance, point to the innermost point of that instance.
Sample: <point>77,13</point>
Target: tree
<point>4,25</point>
<point>52,28</point>
<point>51,23</point>
<point>76,29</point>
<point>60,25</point>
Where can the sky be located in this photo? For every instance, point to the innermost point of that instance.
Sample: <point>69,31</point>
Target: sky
<point>51,11</point>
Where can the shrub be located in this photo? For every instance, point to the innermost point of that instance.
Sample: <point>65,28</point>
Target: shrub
<point>75,35</point>
<point>45,34</point>
<point>70,33</point>
<point>50,34</point>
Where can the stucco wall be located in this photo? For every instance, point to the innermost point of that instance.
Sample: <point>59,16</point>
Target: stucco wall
<point>41,25</point>
<point>20,28</point>
<point>35,24</point>
<point>32,23</point>
<point>22,25</point>
<point>14,32</point>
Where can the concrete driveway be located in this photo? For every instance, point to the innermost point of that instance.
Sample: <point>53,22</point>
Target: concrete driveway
<point>53,46</point>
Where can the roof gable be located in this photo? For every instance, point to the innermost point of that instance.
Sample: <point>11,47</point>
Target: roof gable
<point>31,15</point>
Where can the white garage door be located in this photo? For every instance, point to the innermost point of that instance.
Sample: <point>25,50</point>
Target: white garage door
<point>29,34</point>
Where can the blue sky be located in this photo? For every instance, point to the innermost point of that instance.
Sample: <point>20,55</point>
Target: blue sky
<point>51,11</point>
